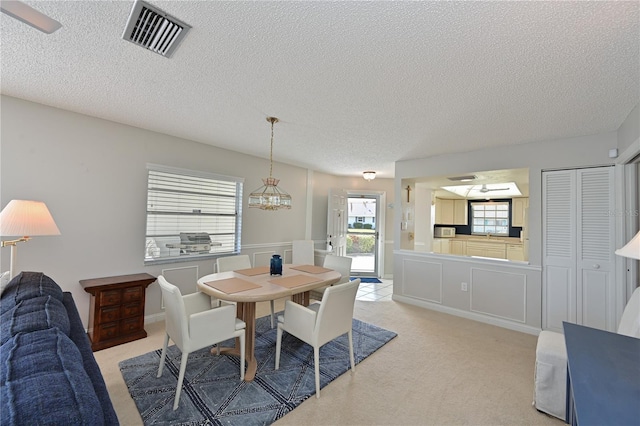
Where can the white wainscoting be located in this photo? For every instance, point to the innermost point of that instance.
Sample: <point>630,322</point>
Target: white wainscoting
<point>262,258</point>
<point>184,278</point>
<point>422,279</point>
<point>490,290</point>
<point>287,256</point>
<point>503,293</point>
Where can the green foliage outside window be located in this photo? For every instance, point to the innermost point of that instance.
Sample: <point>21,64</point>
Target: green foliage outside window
<point>360,244</point>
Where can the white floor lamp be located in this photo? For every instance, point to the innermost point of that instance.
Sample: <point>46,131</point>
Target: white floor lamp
<point>25,218</point>
<point>631,249</point>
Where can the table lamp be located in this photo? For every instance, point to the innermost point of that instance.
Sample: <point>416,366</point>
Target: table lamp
<point>25,218</point>
<point>631,249</point>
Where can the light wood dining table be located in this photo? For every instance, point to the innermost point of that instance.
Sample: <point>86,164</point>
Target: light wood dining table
<point>246,287</point>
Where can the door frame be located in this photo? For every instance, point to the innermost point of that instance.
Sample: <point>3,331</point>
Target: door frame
<point>380,197</point>
<point>627,184</point>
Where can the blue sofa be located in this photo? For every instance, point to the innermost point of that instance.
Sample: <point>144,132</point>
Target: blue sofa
<point>48,372</point>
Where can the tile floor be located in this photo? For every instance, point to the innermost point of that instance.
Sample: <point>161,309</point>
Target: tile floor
<point>375,292</point>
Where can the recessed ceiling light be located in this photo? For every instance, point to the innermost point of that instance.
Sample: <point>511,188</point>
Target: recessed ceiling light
<point>467,178</point>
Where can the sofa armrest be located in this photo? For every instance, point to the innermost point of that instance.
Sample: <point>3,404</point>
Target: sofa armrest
<point>80,338</point>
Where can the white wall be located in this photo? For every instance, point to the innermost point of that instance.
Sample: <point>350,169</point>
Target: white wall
<point>538,156</point>
<point>92,175</point>
<point>451,271</point>
<point>629,131</point>
<point>323,182</point>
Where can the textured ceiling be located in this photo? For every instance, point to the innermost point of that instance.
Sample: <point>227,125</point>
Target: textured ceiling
<point>356,85</point>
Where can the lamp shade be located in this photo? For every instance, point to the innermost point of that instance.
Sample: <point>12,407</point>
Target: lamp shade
<point>27,218</point>
<point>631,249</point>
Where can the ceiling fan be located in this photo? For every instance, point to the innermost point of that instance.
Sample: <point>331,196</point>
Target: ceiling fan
<point>29,16</point>
<point>484,189</point>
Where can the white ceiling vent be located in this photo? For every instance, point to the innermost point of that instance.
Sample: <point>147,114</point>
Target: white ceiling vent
<point>153,29</point>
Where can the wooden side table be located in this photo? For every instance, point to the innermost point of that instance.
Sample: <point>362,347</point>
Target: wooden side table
<point>116,314</point>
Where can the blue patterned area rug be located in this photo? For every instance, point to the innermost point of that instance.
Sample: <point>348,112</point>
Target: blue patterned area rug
<point>213,393</point>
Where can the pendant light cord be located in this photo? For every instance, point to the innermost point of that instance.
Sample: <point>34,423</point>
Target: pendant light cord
<point>272,120</point>
<point>271,152</point>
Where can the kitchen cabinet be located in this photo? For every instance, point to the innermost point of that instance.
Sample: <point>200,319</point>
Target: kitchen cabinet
<point>458,247</point>
<point>515,252</point>
<point>441,245</point>
<point>451,212</point>
<point>518,208</point>
<point>460,212</point>
<point>486,249</point>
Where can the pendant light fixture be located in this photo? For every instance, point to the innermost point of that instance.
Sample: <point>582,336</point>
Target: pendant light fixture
<point>269,196</point>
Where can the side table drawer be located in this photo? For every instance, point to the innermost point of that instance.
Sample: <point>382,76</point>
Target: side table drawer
<point>131,325</point>
<point>132,293</point>
<point>109,297</point>
<point>110,313</point>
<point>131,310</point>
<point>107,331</point>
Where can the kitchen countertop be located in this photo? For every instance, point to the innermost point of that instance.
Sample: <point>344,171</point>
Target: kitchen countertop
<point>483,239</point>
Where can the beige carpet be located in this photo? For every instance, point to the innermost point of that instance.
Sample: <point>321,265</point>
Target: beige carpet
<point>440,370</point>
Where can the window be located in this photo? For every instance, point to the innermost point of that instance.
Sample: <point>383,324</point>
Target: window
<point>490,218</point>
<point>191,214</point>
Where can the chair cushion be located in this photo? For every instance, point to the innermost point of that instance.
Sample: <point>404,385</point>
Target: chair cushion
<point>27,285</point>
<point>44,382</point>
<point>39,313</point>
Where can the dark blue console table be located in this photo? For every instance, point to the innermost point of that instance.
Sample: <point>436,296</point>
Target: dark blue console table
<point>603,377</point>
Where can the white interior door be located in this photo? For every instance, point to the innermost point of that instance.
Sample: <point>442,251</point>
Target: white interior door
<point>578,247</point>
<point>558,249</point>
<point>337,221</point>
<point>596,230</point>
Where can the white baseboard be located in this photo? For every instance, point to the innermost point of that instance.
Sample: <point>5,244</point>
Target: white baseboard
<point>148,319</point>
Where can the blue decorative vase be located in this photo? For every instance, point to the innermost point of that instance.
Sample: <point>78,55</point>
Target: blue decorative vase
<point>276,265</point>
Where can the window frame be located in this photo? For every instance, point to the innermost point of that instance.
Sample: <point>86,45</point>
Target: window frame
<point>197,213</point>
<point>484,217</point>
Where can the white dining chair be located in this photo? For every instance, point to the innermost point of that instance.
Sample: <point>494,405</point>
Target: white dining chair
<point>193,324</point>
<point>232,263</point>
<point>341,264</point>
<point>302,252</point>
<point>241,261</point>
<point>550,379</point>
<point>319,323</point>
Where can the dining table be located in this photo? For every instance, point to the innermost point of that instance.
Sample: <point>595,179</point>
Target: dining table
<point>248,286</point>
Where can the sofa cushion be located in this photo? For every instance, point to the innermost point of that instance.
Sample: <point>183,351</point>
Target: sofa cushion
<point>27,285</point>
<point>34,314</point>
<point>43,382</point>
